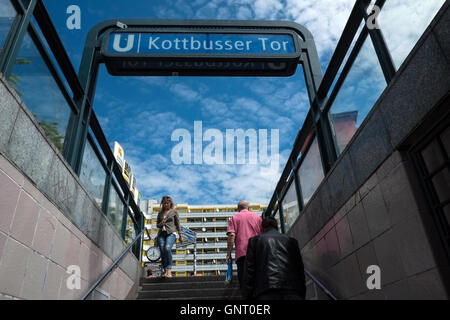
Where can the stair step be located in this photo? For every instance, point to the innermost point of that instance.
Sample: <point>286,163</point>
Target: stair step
<point>187,279</point>
<point>188,293</point>
<point>148,286</point>
<point>199,298</point>
<point>187,288</point>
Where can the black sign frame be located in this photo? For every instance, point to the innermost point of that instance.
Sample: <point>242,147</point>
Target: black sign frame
<point>92,55</point>
<point>200,64</point>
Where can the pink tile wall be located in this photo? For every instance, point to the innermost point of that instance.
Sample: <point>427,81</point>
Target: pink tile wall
<point>38,243</point>
<point>8,201</point>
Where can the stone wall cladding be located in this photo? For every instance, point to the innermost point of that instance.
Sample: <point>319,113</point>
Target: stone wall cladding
<point>371,230</point>
<point>49,218</point>
<point>365,212</point>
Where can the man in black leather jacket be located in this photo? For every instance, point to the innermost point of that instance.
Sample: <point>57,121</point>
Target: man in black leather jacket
<point>274,266</point>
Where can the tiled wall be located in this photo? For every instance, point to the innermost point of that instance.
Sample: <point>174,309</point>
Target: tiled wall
<point>380,225</point>
<point>48,221</point>
<point>38,243</point>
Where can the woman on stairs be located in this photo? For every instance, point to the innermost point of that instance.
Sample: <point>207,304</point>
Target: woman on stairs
<point>168,223</point>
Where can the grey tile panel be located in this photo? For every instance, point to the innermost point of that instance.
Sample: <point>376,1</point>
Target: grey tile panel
<point>9,109</point>
<point>29,150</point>
<point>342,183</point>
<point>414,247</point>
<point>389,259</point>
<point>358,227</point>
<point>417,89</point>
<point>376,212</point>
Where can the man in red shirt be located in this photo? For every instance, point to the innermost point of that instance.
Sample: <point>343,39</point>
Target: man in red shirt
<point>241,227</point>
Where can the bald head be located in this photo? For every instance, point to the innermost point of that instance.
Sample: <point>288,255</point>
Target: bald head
<point>242,205</point>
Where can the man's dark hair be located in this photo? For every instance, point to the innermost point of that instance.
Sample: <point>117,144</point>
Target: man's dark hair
<point>269,223</point>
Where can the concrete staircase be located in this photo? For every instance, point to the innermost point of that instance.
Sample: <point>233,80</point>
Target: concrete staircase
<point>189,288</point>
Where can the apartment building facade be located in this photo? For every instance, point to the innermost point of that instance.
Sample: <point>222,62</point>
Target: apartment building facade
<point>209,222</point>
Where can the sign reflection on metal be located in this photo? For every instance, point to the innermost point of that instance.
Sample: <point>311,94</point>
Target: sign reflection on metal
<point>274,53</point>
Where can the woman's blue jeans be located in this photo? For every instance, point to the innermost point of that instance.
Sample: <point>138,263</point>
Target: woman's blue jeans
<point>166,243</point>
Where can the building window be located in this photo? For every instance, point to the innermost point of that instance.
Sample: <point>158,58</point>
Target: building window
<point>433,168</point>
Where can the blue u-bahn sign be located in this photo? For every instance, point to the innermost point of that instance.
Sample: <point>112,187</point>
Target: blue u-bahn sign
<point>205,43</point>
<point>145,52</point>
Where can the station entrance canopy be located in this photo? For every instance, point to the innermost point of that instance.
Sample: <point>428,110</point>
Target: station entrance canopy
<point>132,47</point>
<point>148,47</point>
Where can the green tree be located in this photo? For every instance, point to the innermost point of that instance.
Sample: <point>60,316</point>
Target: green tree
<point>14,79</point>
<point>51,130</point>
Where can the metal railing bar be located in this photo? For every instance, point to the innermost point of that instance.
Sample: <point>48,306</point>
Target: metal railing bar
<point>302,135</point>
<point>113,265</point>
<point>342,47</point>
<point>8,44</point>
<point>10,55</point>
<point>107,188</point>
<point>125,215</point>
<point>97,152</point>
<point>298,192</point>
<point>322,129</point>
<point>345,71</point>
<point>384,56</point>
<point>18,5</point>
<point>52,68</point>
<point>292,166</point>
<point>57,47</point>
<point>320,285</point>
<point>101,139</point>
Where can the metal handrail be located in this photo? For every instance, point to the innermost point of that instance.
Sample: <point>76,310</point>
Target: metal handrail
<point>320,285</point>
<point>113,265</point>
<point>124,252</point>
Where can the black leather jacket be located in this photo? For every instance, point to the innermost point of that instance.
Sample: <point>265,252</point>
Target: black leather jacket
<point>274,262</point>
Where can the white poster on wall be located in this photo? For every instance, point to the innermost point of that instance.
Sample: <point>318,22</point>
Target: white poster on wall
<point>119,155</point>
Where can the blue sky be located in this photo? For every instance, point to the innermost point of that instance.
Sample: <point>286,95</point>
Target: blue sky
<point>142,112</point>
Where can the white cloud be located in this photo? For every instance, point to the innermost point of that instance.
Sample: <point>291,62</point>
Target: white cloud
<point>184,92</point>
<point>154,129</point>
<point>215,108</point>
<point>244,104</point>
<point>325,19</point>
<point>203,183</point>
<point>6,9</point>
<point>223,13</point>
<point>404,21</point>
<point>267,9</point>
<point>244,13</point>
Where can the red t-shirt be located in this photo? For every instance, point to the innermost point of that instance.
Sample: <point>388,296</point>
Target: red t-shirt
<point>245,225</point>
